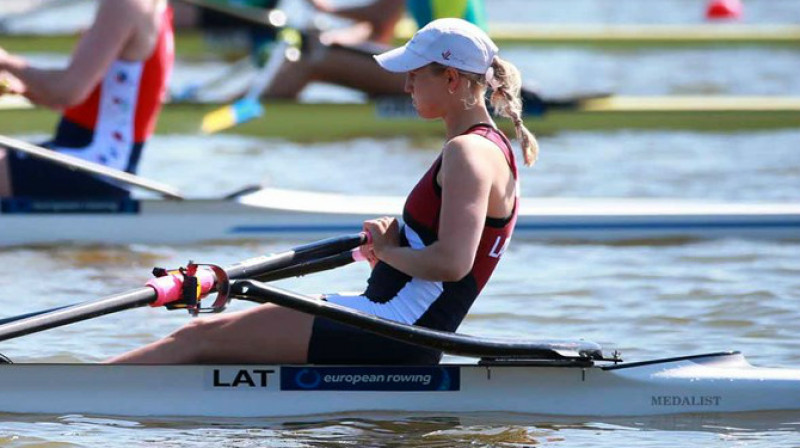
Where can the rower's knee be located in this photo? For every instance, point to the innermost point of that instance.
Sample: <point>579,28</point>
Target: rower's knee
<point>196,339</point>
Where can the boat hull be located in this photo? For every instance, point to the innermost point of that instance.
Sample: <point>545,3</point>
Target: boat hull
<point>273,212</point>
<point>716,383</point>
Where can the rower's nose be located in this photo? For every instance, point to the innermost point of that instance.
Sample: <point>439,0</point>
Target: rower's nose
<point>409,85</point>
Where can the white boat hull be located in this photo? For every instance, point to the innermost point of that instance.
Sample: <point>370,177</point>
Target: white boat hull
<point>716,383</point>
<point>287,213</point>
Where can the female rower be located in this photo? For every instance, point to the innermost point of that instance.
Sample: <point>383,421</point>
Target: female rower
<point>110,93</point>
<point>458,222</point>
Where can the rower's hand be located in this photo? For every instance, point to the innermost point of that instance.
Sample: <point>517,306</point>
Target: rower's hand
<point>385,234</point>
<point>9,85</point>
<point>369,254</point>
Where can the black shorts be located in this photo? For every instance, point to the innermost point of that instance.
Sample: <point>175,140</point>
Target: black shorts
<point>335,343</point>
<point>35,178</point>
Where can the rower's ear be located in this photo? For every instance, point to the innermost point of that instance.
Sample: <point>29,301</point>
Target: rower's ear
<point>453,78</point>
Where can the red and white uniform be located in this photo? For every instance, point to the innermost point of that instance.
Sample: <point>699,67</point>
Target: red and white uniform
<point>441,305</point>
<point>112,124</point>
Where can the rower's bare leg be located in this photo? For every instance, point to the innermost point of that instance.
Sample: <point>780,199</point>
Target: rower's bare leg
<point>339,66</point>
<point>5,175</point>
<point>266,334</point>
<point>358,71</point>
<point>292,78</point>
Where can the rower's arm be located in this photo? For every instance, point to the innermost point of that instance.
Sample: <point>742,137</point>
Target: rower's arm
<point>97,49</point>
<point>466,175</point>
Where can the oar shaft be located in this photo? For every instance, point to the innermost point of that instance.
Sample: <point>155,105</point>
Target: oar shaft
<point>309,267</point>
<point>257,267</point>
<point>76,313</point>
<point>7,320</point>
<point>89,167</point>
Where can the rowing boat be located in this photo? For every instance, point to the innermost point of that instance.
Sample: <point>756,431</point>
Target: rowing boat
<point>191,44</point>
<point>273,212</point>
<point>570,378</point>
<point>711,383</point>
<point>391,117</point>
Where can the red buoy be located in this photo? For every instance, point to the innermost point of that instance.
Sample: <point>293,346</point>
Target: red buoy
<point>724,10</point>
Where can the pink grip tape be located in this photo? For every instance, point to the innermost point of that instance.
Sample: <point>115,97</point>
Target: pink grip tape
<point>170,287</point>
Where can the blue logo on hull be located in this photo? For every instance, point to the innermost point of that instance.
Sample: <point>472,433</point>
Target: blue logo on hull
<point>435,378</point>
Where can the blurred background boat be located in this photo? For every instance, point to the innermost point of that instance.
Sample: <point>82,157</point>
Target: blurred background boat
<point>392,117</point>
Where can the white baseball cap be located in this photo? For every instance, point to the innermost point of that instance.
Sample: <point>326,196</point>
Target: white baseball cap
<point>451,42</point>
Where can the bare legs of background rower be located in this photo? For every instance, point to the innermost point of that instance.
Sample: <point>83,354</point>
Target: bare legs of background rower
<point>336,65</point>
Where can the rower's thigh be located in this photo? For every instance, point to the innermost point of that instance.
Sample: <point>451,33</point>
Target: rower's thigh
<point>262,334</point>
<point>5,174</point>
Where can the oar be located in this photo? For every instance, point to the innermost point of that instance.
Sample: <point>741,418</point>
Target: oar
<point>300,269</point>
<point>165,290</point>
<point>454,343</point>
<point>7,320</point>
<point>248,107</point>
<point>89,167</point>
<point>190,92</point>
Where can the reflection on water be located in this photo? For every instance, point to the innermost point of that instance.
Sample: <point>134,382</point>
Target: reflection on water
<point>420,431</point>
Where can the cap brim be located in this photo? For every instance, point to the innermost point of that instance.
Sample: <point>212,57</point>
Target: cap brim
<point>400,60</point>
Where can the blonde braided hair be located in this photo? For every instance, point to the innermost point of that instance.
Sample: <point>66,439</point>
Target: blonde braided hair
<point>506,83</point>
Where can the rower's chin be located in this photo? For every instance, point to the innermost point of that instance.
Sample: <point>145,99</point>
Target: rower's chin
<point>425,113</point>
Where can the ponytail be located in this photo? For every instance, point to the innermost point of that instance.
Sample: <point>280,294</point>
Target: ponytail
<point>505,81</point>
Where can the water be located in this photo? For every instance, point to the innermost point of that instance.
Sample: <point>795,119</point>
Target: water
<point>644,300</point>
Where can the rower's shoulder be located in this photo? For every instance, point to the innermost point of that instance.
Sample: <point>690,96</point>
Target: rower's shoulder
<point>471,146</point>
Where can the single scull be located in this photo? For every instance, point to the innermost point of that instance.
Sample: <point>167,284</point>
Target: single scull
<point>570,378</point>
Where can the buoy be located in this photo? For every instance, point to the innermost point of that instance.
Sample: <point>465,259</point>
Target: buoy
<point>724,10</point>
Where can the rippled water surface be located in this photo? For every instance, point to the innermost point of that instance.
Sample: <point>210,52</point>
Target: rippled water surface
<point>645,300</point>
<point>663,298</point>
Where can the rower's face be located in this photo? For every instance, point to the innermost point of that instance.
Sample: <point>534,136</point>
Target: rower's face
<point>426,85</point>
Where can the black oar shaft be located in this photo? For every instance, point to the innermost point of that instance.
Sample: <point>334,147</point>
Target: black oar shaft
<point>35,313</point>
<point>76,313</point>
<point>254,268</point>
<point>309,267</point>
